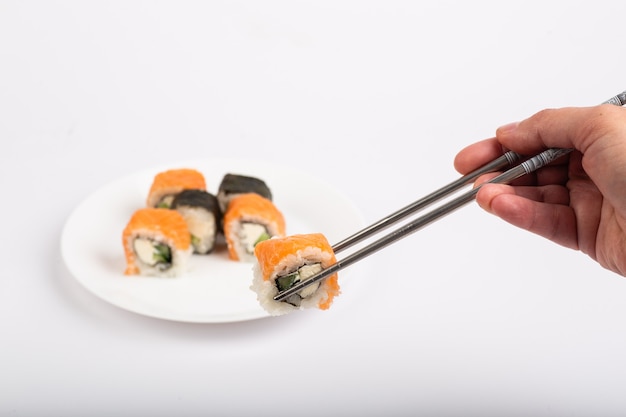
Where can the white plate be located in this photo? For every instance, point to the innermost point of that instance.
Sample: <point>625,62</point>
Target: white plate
<point>215,289</point>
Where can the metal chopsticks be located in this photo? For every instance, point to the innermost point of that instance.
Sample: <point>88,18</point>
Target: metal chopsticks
<point>508,159</point>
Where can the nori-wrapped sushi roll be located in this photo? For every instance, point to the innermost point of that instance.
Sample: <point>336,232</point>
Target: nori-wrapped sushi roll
<point>235,184</point>
<point>201,211</point>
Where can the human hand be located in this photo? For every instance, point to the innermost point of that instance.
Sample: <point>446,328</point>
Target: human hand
<point>579,201</point>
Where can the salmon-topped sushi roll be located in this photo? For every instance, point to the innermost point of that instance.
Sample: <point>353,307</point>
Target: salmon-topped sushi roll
<point>283,262</point>
<point>167,184</point>
<point>157,243</point>
<point>248,220</point>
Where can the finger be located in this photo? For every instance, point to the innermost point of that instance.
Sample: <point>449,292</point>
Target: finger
<point>477,155</point>
<point>551,194</point>
<point>558,175</point>
<point>572,127</point>
<point>554,221</point>
<point>587,202</point>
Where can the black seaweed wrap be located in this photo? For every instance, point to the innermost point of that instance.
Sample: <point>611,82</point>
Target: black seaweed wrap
<point>199,198</point>
<point>239,184</point>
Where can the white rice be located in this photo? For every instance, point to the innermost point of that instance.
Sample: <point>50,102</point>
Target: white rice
<point>201,225</point>
<point>234,238</point>
<point>157,196</point>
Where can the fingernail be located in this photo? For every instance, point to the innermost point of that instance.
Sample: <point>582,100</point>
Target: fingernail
<point>508,127</point>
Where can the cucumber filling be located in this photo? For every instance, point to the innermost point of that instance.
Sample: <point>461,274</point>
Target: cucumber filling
<point>165,202</point>
<point>202,227</point>
<point>287,281</point>
<point>303,273</point>
<point>264,236</point>
<point>251,234</point>
<point>153,253</point>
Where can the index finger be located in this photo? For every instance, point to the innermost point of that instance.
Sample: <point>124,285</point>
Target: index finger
<point>569,127</point>
<point>477,154</point>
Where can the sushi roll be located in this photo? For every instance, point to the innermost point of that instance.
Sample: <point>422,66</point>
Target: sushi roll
<point>156,243</point>
<point>168,183</point>
<point>249,219</point>
<point>201,211</point>
<point>235,184</point>
<point>283,262</point>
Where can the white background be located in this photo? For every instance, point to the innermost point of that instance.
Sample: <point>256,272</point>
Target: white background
<point>468,317</point>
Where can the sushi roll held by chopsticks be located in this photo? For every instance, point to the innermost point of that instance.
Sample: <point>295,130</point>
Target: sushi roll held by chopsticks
<point>283,262</point>
<point>156,243</point>
<point>248,220</point>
